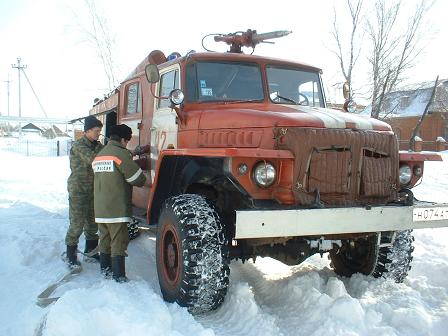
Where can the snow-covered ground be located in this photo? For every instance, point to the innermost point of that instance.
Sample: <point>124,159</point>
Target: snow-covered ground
<point>265,298</point>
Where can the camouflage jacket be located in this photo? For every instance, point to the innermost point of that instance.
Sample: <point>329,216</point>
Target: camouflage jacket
<point>115,174</point>
<point>82,153</point>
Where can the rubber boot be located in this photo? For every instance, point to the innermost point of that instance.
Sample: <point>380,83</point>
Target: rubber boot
<point>106,265</point>
<point>72,258</point>
<point>90,246</point>
<point>118,269</point>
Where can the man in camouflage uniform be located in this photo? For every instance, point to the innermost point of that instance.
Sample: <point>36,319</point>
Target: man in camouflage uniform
<point>115,174</point>
<point>80,190</point>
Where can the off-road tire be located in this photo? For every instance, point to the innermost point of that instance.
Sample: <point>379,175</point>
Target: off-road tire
<point>394,262</point>
<point>192,263</point>
<point>133,230</point>
<point>374,256</point>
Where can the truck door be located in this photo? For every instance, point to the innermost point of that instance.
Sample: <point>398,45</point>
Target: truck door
<point>164,126</point>
<point>131,111</point>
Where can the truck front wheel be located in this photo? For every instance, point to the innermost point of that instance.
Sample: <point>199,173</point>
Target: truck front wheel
<point>190,252</point>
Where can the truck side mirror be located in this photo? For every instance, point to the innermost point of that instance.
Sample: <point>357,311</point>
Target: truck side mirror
<point>152,73</point>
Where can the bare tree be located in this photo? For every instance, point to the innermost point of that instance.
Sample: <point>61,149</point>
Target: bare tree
<point>417,127</point>
<point>97,33</point>
<point>347,61</point>
<point>392,53</point>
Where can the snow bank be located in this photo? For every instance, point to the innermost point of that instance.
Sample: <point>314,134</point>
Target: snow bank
<point>265,298</point>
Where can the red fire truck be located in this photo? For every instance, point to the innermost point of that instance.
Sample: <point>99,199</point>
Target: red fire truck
<point>247,160</point>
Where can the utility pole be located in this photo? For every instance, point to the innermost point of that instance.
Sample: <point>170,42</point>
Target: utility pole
<point>19,67</point>
<point>7,94</point>
<point>7,90</point>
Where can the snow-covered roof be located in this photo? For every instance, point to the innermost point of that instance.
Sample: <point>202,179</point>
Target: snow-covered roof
<point>411,100</point>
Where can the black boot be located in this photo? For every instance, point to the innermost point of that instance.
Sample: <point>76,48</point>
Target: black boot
<point>118,269</point>
<point>106,265</point>
<point>72,258</point>
<point>91,244</point>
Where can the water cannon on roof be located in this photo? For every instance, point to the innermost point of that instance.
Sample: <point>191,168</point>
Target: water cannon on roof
<point>249,38</point>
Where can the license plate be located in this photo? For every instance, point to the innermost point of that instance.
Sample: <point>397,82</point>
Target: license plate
<point>430,214</point>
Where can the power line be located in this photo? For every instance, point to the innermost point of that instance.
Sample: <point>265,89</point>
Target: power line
<point>35,95</point>
<point>21,68</point>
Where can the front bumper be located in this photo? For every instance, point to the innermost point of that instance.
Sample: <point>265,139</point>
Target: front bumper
<point>310,222</point>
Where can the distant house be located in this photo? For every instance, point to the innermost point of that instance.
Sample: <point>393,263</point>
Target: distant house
<point>53,132</point>
<point>31,129</point>
<point>403,108</point>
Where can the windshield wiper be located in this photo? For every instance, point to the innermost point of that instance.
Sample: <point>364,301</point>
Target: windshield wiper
<point>232,101</point>
<point>288,99</point>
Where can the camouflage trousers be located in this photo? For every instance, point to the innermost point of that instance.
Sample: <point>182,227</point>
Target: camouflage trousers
<point>114,238</point>
<point>82,218</point>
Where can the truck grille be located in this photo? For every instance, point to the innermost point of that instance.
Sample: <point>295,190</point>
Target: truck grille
<point>344,167</point>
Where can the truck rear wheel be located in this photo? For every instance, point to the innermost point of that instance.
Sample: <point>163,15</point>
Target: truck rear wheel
<point>376,256</point>
<point>394,262</point>
<point>133,230</point>
<point>355,256</point>
<point>190,253</point>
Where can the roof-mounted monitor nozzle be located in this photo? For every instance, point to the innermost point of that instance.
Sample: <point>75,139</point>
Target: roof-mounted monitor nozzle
<point>250,38</point>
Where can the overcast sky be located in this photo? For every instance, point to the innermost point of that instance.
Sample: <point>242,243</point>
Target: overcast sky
<point>67,75</point>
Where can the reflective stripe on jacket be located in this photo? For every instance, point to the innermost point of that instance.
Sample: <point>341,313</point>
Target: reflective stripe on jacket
<point>115,174</point>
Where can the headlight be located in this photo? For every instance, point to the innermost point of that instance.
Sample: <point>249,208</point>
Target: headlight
<point>264,174</point>
<point>405,174</point>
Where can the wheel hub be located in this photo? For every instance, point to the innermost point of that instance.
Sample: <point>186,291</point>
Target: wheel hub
<point>170,255</point>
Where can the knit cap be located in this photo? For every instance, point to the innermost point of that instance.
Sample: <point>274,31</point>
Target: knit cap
<point>91,122</point>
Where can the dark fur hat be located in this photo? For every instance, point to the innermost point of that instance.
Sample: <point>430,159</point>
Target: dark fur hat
<point>123,131</point>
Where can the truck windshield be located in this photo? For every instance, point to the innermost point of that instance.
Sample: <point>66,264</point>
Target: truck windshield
<point>294,86</point>
<point>215,81</point>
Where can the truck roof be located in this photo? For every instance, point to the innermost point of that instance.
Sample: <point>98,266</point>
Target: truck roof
<point>242,58</point>
<point>157,57</point>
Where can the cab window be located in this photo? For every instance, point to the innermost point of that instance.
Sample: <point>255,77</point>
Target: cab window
<point>134,100</point>
<point>168,82</point>
<point>224,81</point>
<point>294,86</point>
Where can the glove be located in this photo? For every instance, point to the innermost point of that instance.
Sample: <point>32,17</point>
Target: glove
<point>139,150</point>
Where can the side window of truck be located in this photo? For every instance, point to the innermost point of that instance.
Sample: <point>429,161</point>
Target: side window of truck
<point>134,100</point>
<point>168,82</point>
